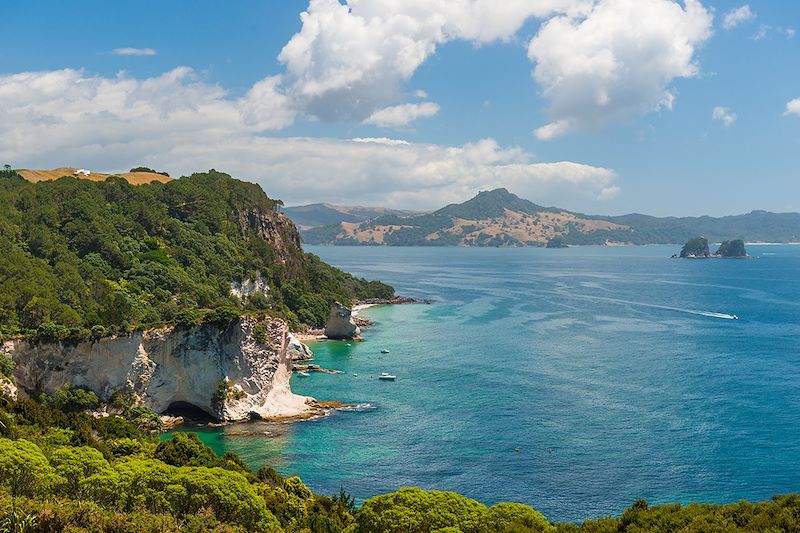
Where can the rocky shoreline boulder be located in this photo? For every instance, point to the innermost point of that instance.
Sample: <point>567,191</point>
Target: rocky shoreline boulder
<point>341,323</point>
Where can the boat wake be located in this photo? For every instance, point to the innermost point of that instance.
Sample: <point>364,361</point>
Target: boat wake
<point>714,315</point>
<point>710,314</point>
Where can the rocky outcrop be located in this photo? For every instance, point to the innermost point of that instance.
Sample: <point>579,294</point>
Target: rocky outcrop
<point>297,350</point>
<point>340,324</point>
<point>225,372</point>
<point>250,286</point>
<point>7,389</point>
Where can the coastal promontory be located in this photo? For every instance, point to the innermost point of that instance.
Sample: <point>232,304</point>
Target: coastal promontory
<point>170,291</point>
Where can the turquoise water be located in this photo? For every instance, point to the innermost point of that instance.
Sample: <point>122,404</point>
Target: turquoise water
<point>617,372</point>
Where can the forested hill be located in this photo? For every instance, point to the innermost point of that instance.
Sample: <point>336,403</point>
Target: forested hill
<point>500,218</point>
<point>313,215</point>
<point>88,258</point>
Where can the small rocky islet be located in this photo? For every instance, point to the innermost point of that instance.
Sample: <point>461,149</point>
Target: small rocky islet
<point>698,248</point>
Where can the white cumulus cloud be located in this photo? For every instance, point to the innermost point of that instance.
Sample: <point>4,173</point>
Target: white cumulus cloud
<point>738,16</point>
<point>724,115</point>
<point>616,61</point>
<point>793,107</point>
<point>133,51</point>
<point>349,60</point>
<point>400,115</point>
<point>596,60</point>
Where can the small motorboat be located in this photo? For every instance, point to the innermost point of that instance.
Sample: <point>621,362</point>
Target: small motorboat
<point>384,351</point>
<point>735,317</point>
<point>387,377</point>
<point>303,374</point>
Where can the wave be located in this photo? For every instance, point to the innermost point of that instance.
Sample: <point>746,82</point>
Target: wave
<point>359,407</point>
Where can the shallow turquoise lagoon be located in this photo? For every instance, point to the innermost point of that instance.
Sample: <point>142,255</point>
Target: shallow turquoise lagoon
<point>617,373</point>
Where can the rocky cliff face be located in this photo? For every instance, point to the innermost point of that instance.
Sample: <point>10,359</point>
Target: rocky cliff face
<point>226,373</point>
<point>340,324</point>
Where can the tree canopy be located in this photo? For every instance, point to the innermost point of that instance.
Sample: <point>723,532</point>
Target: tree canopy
<point>84,259</point>
<point>68,471</point>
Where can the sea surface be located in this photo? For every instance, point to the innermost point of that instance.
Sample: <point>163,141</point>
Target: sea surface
<point>573,380</point>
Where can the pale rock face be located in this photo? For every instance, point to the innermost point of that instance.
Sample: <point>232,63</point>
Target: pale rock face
<point>7,389</point>
<point>340,323</point>
<point>169,365</point>
<point>297,350</point>
<point>249,286</point>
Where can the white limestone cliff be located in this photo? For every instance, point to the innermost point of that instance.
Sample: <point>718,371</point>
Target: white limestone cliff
<point>340,324</point>
<point>226,373</point>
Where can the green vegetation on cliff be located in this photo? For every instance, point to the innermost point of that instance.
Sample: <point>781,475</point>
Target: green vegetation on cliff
<point>64,470</point>
<point>84,259</point>
<point>733,248</point>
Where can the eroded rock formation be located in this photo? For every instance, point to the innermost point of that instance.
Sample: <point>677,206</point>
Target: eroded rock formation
<point>340,323</point>
<point>227,373</point>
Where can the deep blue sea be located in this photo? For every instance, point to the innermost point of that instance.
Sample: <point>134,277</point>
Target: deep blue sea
<point>617,373</point>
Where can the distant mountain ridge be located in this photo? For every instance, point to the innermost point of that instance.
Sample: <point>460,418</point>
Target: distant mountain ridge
<point>501,218</point>
<point>313,215</point>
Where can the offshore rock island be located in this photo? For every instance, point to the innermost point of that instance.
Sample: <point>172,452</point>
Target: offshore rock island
<point>697,248</point>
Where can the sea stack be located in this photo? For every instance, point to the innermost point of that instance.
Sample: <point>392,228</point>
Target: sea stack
<point>341,324</point>
<point>696,248</point>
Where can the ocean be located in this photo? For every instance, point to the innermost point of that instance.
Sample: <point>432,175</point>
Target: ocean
<point>574,380</point>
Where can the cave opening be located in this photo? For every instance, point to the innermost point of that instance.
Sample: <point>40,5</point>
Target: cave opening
<point>189,412</point>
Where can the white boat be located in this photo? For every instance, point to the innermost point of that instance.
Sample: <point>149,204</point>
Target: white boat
<point>387,377</point>
<point>303,374</point>
<point>384,351</point>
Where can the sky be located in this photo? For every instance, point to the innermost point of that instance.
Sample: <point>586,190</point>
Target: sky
<point>663,107</point>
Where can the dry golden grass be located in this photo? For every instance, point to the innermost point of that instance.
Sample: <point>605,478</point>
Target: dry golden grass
<point>374,235</point>
<point>135,178</point>
<point>536,229</point>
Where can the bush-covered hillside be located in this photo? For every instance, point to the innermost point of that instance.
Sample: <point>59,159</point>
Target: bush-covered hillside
<point>84,259</point>
<point>64,470</point>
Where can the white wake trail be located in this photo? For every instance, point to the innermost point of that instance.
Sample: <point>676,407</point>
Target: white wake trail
<point>710,314</point>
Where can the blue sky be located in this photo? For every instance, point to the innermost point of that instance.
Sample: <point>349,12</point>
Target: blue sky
<point>486,93</point>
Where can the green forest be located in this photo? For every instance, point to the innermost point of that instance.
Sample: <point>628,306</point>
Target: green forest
<point>83,259</point>
<point>64,470</point>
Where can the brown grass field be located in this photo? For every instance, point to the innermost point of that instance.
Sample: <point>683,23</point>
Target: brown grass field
<point>136,178</point>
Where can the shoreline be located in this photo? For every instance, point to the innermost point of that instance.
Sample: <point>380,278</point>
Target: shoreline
<point>318,334</point>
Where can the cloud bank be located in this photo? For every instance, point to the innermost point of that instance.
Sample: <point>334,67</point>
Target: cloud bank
<point>182,124</point>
